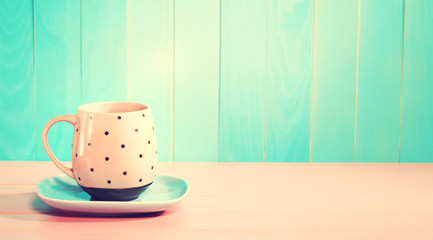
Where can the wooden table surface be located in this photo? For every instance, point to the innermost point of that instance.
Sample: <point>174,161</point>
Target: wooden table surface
<point>243,201</point>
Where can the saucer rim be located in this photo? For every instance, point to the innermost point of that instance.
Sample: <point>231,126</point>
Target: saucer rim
<point>118,203</point>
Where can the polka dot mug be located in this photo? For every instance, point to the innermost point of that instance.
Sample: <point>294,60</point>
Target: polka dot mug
<point>114,150</point>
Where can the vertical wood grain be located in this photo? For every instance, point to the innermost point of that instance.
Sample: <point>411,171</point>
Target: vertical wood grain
<point>104,50</point>
<point>196,80</point>
<point>58,88</point>
<point>242,97</point>
<point>334,81</point>
<point>17,86</point>
<point>288,79</point>
<point>150,53</point>
<point>379,83</point>
<point>417,106</point>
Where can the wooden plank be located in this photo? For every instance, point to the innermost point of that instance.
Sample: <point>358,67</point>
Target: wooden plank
<point>334,81</point>
<point>220,226</point>
<point>242,96</point>
<point>57,26</point>
<point>150,58</point>
<point>379,80</point>
<point>17,86</point>
<point>417,107</point>
<point>288,80</point>
<point>104,51</point>
<point>196,80</point>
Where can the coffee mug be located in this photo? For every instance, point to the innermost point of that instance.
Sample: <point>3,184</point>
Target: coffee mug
<point>114,150</point>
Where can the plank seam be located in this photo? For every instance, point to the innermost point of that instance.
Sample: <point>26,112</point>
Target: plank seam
<point>81,52</point>
<point>266,79</point>
<point>127,50</point>
<point>219,87</point>
<point>357,78</point>
<point>34,78</point>
<point>174,71</point>
<point>312,78</point>
<point>401,81</point>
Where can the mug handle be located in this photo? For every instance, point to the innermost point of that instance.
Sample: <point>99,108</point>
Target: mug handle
<point>72,119</point>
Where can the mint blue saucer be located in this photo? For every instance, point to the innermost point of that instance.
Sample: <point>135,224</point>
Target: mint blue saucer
<point>62,192</point>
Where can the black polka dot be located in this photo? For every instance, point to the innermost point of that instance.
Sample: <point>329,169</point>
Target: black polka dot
<point>140,180</point>
<point>106,132</point>
<point>148,142</point>
<point>91,118</point>
<point>77,130</point>
<point>89,144</point>
<point>91,169</point>
<point>156,152</point>
<point>141,155</point>
<point>109,181</point>
<point>79,178</point>
<point>136,130</point>
<point>144,115</point>
<point>153,128</point>
<point>76,155</point>
<point>123,145</point>
<point>107,158</point>
<point>124,173</point>
<point>119,117</point>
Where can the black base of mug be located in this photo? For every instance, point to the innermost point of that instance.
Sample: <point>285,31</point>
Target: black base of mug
<point>121,194</point>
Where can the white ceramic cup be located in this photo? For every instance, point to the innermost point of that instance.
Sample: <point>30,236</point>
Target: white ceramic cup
<point>114,149</point>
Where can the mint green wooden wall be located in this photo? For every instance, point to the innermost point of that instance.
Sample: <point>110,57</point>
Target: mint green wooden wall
<point>242,80</point>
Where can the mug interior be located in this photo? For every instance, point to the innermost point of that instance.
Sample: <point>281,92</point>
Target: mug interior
<point>112,107</point>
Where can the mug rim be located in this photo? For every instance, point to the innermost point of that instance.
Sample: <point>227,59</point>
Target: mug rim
<point>96,107</point>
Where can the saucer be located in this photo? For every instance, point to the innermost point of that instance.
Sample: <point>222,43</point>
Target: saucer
<point>62,192</point>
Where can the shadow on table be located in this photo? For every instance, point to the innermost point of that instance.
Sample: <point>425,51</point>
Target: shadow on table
<point>29,207</point>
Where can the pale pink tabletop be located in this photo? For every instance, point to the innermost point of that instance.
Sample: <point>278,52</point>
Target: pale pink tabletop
<point>243,201</point>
